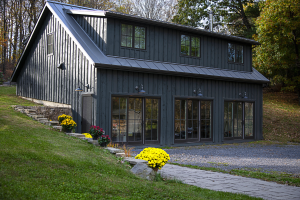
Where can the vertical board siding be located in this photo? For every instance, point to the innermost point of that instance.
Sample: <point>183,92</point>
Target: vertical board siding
<point>112,82</point>
<point>41,79</point>
<point>163,44</point>
<point>95,27</point>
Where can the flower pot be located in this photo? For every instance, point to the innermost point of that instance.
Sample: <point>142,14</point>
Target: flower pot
<point>95,137</point>
<point>103,144</point>
<point>67,130</point>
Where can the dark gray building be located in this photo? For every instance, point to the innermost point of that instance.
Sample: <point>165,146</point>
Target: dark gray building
<point>144,81</point>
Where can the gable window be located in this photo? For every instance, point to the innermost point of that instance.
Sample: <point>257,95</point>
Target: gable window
<point>50,44</point>
<point>190,46</point>
<point>235,53</point>
<point>133,36</point>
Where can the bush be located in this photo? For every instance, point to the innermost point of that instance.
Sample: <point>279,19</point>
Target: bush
<point>156,158</point>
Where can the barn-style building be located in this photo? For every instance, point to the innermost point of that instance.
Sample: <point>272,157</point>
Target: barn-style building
<point>145,82</point>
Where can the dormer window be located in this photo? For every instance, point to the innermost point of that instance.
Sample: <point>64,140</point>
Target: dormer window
<point>50,44</point>
<point>235,53</point>
<point>190,46</point>
<point>133,36</point>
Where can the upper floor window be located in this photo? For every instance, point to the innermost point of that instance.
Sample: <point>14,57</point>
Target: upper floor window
<point>133,36</point>
<point>235,53</point>
<point>50,43</point>
<point>190,46</point>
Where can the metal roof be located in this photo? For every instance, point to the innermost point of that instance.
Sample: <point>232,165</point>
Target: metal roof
<point>97,57</point>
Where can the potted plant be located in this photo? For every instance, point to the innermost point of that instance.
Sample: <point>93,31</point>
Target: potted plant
<point>68,125</point>
<point>96,131</point>
<point>63,117</point>
<point>104,140</point>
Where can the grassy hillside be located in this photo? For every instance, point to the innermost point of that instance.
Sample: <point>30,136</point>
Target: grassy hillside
<point>281,117</point>
<point>37,162</point>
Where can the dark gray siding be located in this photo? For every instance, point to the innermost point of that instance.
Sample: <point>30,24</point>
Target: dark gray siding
<point>41,79</point>
<point>113,82</point>
<point>163,44</point>
<point>95,27</point>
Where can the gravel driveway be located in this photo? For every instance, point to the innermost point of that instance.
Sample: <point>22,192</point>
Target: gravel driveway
<point>282,158</point>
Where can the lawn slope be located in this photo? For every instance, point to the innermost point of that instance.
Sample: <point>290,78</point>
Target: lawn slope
<point>281,120</point>
<point>37,162</point>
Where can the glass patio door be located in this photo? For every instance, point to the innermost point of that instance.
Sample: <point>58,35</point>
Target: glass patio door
<point>135,120</point>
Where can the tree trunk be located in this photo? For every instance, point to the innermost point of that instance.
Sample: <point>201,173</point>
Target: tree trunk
<point>244,18</point>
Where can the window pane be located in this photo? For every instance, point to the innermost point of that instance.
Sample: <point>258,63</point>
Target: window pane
<point>185,45</point>
<point>239,53</point>
<point>119,115</point>
<point>231,53</point>
<point>140,37</point>
<point>248,119</point>
<point>50,44</point>
<point>195,47</point>
<point>126,35</point>
<point>205,119</point>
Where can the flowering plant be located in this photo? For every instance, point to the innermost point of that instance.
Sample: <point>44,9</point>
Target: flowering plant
<point>68,124</point>
<point>87,135</point>
<point>156,158</point>
<point>63,117</point>
<point>96,131</point>
<point>104,139</point>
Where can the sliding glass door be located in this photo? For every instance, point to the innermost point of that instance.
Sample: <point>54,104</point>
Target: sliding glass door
<point>238,120</point>
<point>135,120</point>
<point>193,120</point>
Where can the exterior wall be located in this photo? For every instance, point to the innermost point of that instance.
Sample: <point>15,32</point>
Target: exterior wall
<point>113,82</point>
<point>41,79</point>
<point>163,44</point>
<point>95,27</point>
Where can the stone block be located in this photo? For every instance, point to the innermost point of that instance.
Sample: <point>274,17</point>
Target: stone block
<point>134,161</point>
<point>42,119</point>
<point>114,150</point>
<point>94,142</point>
<point>58,127</point>
<point>122,155</point>
<point>144,171</point>
<point>36,117</point>
<point>53,123</point>
<point>78,135</point>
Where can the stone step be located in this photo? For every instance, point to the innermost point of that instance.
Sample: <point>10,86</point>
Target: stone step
<point>114,150</point>
<point>78,135</point>
<point>94,142</point>
<point>30,111</point>
<point>36,117</point>
<point>134,161</point>
<point>52,123</point>
<point>58,127</point>
<point>42,119</point>
<point>120,155</point>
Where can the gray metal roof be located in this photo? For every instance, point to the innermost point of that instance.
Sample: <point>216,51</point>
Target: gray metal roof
<point>97,57</point>
<point>149,66</point>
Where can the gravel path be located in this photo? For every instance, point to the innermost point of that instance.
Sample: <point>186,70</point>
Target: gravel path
<point>265,158</point>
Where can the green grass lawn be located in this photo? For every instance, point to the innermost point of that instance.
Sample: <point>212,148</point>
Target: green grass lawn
<point>37,162</point>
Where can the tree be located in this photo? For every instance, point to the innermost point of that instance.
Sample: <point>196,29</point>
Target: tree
<point>228,13</point>
<point>154,9</point>
<point>279,34</point>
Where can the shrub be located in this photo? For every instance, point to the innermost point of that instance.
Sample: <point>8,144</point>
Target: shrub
<point>156,158</point>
